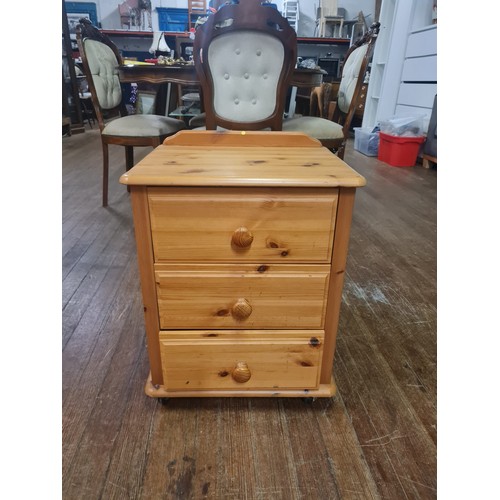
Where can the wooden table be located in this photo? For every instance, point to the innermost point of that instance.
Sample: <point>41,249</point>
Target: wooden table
<point>242,242</point>
<point>186,75</point>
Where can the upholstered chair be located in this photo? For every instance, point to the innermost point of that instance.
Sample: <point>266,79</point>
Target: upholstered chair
<point>333,133</point>
<point>245,56</point>
<point>100,59</point>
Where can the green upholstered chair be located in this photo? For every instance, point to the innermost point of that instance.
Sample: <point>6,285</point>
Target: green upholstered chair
<point>100,59</point>
<point>333,133</point>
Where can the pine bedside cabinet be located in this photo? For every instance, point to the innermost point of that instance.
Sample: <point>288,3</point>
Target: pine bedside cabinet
<point>242,242</point>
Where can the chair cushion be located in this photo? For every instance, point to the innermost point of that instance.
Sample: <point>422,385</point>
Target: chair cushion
<point>104,68</point>
<point>143,126</point>
<point>318,128</point>
<point>245,68</point>
<point>350,75</point>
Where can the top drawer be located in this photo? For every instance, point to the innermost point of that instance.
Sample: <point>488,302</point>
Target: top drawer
<point>242,224</point>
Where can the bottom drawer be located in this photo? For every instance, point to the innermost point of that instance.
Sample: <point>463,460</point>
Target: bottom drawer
<point>239,360</point>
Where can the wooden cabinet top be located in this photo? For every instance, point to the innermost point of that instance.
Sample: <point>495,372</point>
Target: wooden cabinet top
<point>263,159</point>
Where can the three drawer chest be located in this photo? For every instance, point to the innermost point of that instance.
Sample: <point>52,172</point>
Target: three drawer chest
<point>242,241</point>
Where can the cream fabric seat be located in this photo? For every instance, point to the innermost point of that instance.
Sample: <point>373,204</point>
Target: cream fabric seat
<point>141,126</point>
<point>101,59</point>
<point>319,128</point>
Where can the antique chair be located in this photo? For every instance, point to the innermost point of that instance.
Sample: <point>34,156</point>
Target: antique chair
<point>100,59</point>
<point>244,56</point>
<point>333,133</point>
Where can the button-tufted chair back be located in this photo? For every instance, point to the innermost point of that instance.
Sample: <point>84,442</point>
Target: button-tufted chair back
<point>103,66</point>
<point>351,74</point>
<point>245,56</point>
<point>333,133</point>
<point>100,59</point>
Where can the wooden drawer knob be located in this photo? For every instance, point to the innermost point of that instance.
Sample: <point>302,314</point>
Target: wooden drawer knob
<point>241,373</point>
<point>241,309</point>
<point>242,238</point>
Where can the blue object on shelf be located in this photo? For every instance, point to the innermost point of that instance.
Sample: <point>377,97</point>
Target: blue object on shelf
<point>171,19</point>
<point>84,9</point>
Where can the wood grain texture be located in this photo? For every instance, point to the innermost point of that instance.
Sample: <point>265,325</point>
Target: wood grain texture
<point>199,223</point>
<point>139,202</point>
<point>231,138</point>
<point>240,360</point>
<point>204,296</point>
<point>323,391</point>
<point>337,271</point>
<point>243,166</point>
<point>376,439</point>
<point>298,222</point>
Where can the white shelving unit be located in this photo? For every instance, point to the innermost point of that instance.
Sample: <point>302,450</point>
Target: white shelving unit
<point>398,20</point>
<point>291,12</point>
<point>419,77</point>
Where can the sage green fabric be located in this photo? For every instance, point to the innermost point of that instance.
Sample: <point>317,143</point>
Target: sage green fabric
<point>350,75</point>
<point>319,128</point>
<point>143,126</point>
<point>103,66</point>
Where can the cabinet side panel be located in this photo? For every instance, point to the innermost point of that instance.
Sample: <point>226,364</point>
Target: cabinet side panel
<point>339,259</point>
<point>142,226</point>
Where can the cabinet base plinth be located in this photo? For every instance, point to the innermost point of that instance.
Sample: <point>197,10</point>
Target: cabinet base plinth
<point>324,391</point>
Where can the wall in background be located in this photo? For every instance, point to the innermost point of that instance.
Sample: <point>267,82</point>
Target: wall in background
<point>308,10</point>
<point>107,12</point>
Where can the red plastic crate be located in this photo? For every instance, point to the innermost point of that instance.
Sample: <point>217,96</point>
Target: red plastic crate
<point>399,151</point>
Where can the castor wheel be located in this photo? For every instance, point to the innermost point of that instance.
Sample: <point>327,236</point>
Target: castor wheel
<point>164,401</point>
<point>309,401</point>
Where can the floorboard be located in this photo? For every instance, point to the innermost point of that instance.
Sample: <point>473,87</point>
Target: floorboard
<point>375,439</point>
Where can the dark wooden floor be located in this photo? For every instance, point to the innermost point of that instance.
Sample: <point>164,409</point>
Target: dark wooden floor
<point>376,439</point>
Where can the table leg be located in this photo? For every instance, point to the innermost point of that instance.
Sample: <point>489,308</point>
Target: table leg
<point>163,99</point>
<point>293,102</point>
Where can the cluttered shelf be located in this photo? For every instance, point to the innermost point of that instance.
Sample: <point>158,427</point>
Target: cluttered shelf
<point>307,40</point>
<point>141,34</point>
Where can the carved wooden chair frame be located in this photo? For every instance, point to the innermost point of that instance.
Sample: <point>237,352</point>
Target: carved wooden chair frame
<point>340,117</point>
<point>254,15</point>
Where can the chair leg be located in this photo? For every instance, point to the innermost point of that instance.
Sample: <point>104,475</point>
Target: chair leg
<point>129,160</point>
<point>129,157</point>
<point>105,174</point>
<point>340,151</point>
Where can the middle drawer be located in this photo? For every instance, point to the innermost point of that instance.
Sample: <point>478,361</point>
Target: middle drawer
<point>241,295</point>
